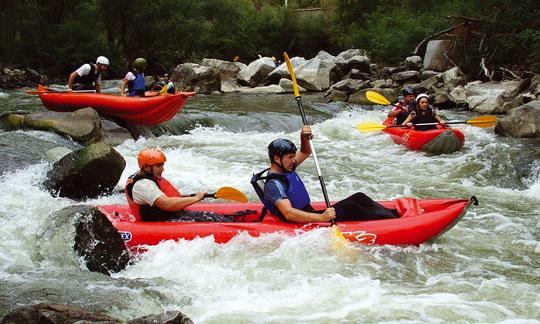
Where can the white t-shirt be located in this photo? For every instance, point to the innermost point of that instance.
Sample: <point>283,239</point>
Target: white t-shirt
<point>130,76</point>
<point>146,192</point>
<point>85,70</point>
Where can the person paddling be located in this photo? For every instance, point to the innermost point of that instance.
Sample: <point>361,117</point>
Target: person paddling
<point>152,198</point>
<point>88,76</point>
<point>401,110</point>
<point>284,194</point>
<point>134,79</point>
<point>423,113</point>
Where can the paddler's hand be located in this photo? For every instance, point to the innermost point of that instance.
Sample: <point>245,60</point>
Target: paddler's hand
<point>329,213</point>
<point>306,132</point>
<point>200,195</point>
<point>409,125</point>
<point>442,123</point>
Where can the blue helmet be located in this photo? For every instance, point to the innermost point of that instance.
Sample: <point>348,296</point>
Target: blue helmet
<point>280,147</point>
<point>408,91</point>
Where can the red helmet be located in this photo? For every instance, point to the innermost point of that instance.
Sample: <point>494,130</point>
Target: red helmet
<point>151,156</point>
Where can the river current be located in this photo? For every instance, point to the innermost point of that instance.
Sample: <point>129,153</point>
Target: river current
<point>485,269</point>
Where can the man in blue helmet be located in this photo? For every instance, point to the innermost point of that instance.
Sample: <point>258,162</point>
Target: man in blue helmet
<point>402,109</point>
<point>283,193</point>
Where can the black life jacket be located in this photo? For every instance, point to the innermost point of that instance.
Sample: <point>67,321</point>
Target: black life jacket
<point>426,116</point>
<point>400,118</point>
<point>90,78</point>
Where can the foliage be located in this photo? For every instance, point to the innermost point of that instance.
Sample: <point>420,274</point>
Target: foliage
<point>56,36</point>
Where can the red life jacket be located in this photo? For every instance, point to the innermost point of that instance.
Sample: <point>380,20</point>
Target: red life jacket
<point>165,186</point>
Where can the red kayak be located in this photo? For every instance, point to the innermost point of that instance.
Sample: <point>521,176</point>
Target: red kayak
<point>435,141</point>
<point>420,221</point>
<point>151,110</point>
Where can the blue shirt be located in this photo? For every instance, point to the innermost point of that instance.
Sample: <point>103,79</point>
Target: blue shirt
<point>275,190</point>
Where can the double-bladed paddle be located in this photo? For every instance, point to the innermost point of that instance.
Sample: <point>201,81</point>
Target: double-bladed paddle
<point>340,243</point>
<point>228,193</point>
<point>481,121</point>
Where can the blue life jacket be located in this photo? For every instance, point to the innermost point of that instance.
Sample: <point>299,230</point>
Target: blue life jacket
<point>136,87</point>
<point>296,191</point>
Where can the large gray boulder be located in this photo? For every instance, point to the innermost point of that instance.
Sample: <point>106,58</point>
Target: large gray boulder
<point>83,125</point>
<point>314,75</point>
<point>256,72</point>
<point>88,173</point>
<point>489,97</point>
<point>282,72</point>
<point>437,55</point>
<point>227,70</point>
<point>195,77</point>
<point>523,121</point>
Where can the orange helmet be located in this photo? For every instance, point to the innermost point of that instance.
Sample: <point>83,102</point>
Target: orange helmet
<point>151,156</point>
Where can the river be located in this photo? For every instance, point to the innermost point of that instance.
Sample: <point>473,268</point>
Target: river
<point>485,269</point>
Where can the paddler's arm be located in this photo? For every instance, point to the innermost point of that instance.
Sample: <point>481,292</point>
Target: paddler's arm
<point>177,203</point>
<point>305,148</point>
<point>296,215</point>
<point>71,79</point>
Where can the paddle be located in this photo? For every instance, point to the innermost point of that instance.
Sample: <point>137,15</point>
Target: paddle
<point>59,91</point>
<point>339,241</point>
<point>481,121</point>
<point>228,193</point>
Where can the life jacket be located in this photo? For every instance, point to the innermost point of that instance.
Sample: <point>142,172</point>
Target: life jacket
<point>427,117</point>
<point>90,78</point>
<point>400,118</point>
<point>296,191</point>
<point>136,87</point>
<point>147,212</point>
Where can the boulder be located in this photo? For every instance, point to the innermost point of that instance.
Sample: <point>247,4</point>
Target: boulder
<point>195,77</point>
<point>523,121</point>
<point>287,86</point>
<point>413,63</point>
<point>256,72</point>
<point>488,98</point>
<point>227,70</point>
<point>314,75</point>
<point>55,314</point>
<point>88,173</point>
<point>359,97</point>
<point>437,55</point>
<point>83,125</point>
<point>169,317</point>
<point>282,72</point>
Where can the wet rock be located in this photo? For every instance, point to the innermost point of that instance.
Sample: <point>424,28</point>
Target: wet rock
<point>282,72</point>
<point>55,314</point>
<point>360,96</point>
<point>97,241</point>
<point>83,125</point>
<point>523,121</point>
<point>87,173</point>
<point>170,317</point>
<point>413,63</point>
<point>489,97</point>
<point>227,70</point>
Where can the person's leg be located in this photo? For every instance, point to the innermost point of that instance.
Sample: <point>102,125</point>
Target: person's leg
<point>361,207</point>
<point>202,216</point>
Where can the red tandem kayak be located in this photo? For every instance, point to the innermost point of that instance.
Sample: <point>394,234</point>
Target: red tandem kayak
<point>435,141</point>
<point>139,110</point>
<point>420,221</point>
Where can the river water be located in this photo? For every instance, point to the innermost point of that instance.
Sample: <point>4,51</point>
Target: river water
<point>486,269</point>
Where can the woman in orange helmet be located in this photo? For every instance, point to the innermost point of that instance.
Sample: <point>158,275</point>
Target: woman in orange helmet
<point>152,198</point>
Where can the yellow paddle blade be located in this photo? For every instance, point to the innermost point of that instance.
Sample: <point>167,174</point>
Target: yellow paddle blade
<point>370,127</point>
<point>483,121</point>
<point>231,193</point>
<point>291,72</point>
<point>163,90</point>
<point>341,245</point>
<point>377,98</point>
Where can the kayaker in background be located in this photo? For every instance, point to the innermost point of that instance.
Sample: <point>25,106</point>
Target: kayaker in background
<point>423,113</point>
<point>134,79</point>
<point>88,76</point>
<point>152,198</point>
<point>283,193</point>
<point>401,110</point>
<point>168,82</point>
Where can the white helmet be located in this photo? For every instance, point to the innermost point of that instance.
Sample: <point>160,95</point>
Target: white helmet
<point>102,60</point>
